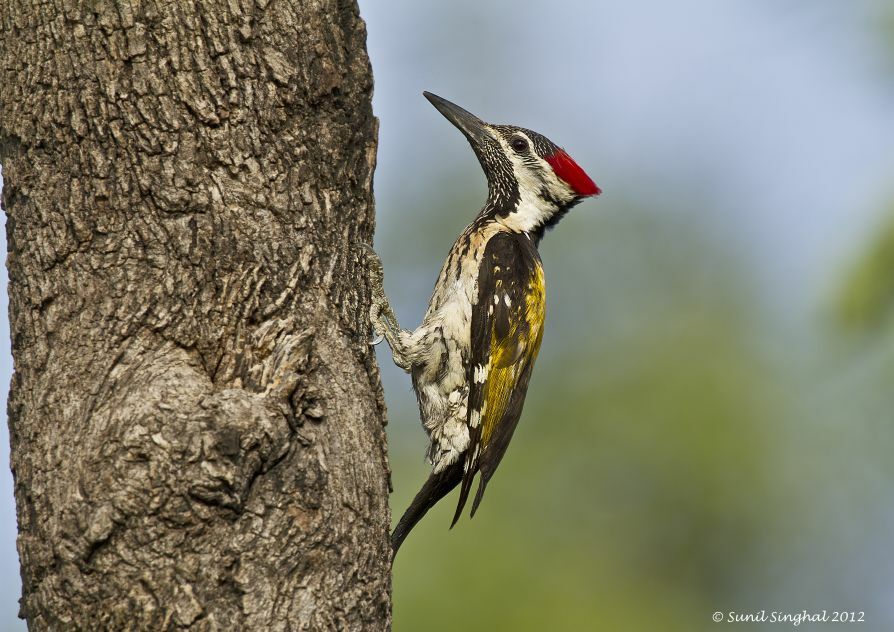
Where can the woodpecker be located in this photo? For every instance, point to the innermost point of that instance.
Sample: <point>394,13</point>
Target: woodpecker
<point>471,358</point>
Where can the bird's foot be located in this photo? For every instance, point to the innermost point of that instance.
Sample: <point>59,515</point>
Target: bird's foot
<point>381,316</point>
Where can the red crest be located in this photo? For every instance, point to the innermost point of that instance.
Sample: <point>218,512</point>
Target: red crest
<point>569,171</point>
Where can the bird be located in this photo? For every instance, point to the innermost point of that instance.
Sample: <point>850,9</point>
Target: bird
<point>471,359</point>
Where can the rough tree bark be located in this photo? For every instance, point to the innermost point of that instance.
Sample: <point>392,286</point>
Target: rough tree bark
<point>195,416</point>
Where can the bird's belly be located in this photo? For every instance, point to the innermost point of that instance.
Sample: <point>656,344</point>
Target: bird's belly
<point>440,383</point>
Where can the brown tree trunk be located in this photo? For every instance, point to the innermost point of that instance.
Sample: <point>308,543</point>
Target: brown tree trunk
<point>196,417</point>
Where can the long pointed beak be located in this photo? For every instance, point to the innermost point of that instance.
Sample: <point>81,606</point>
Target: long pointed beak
<point>469,124</point>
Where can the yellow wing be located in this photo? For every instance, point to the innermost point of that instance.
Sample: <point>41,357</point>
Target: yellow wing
<point>507,328</point>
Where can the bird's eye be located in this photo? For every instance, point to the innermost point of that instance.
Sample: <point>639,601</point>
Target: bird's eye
<point>519,144</point>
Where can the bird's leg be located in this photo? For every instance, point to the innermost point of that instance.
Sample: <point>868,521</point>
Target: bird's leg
<point>382,316</point>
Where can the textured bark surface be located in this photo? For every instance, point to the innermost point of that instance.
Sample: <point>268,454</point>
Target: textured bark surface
<point>196,417</point>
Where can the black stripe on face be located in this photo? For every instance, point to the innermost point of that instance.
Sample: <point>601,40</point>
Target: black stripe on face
<point>540,144</point>
<point>503,195</point>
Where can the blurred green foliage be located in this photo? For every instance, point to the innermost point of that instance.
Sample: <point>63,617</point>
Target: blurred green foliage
<point>866,298</point>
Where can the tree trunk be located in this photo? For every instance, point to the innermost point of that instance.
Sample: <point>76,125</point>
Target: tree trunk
<point>196,417</point>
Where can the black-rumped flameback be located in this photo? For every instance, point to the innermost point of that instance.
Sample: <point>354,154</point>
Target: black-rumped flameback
<point>472,356</point>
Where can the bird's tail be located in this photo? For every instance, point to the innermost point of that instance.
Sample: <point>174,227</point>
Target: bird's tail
<point>436,487</point>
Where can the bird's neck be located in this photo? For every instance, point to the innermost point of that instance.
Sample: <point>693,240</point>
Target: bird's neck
<point>522,211</point>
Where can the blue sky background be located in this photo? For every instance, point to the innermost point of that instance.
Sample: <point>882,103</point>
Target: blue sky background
<point>768,126</point>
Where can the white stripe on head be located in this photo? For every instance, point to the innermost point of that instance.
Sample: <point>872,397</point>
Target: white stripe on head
<point>532,211</point>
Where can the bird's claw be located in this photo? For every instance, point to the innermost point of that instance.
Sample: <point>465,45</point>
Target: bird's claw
<point>374,265</point>
<point>380,314</point>
<point>375,311</point>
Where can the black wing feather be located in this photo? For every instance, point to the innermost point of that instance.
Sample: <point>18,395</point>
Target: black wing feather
<point>507,325</point>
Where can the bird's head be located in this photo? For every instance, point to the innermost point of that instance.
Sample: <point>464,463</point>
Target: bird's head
<point>531,181</point>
